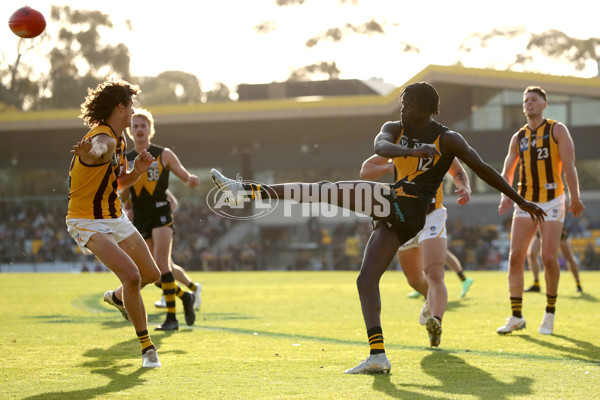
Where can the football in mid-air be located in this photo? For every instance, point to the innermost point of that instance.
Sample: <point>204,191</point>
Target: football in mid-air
<point>27,22</point>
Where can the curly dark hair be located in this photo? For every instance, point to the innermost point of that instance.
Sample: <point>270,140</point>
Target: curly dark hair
<point>100,102</point>
<point>425,94</point>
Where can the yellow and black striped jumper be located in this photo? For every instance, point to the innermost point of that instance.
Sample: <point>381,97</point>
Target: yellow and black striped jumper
<point>415,193</point>
<point>424,176</point>
<point>151,209</point>
<point>540,178</point>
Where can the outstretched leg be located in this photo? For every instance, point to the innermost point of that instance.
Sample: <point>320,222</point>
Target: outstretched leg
<point>363,197</point>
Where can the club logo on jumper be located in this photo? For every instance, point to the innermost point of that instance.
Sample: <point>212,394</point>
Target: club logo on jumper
<point>228,202</point>
<point>524,144</point>
<point>401,193</point>
<point>403,142</point>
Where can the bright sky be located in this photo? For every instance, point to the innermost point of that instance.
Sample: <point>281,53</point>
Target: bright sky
<point>216,40</point>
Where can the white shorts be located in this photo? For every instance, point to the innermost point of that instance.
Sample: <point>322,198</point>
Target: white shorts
<point>81,230</point>
<point>554,208</point>
<point>435,227</point>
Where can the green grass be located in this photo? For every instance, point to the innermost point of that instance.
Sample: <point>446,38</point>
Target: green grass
<point>290,335</point>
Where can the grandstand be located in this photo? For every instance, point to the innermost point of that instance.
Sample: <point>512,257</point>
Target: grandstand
<point>302,132</point>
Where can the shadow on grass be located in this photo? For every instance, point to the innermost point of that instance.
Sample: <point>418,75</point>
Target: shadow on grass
<point>582,351</point>
<point>585,296</point>
<point>104,362</point>
<point>456,304</point>
<point>383,384</point>
<point>455,377</point>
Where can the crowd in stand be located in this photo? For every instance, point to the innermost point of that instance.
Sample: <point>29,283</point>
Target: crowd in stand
<point>35,232</point>
<point>197,229</point>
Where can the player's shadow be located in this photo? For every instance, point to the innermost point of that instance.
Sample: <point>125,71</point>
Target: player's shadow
<point>581,351</point>
<point>106,363</point>
<point>383,384</point>
<point>454,305</point>
<point>585,296</point>
<point>456,378</point>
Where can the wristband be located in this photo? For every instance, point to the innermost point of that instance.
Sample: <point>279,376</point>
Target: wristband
<point>136,170</point>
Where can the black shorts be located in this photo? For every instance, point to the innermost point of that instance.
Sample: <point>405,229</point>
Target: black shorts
<point>147,218</point>
<point>408,210</point>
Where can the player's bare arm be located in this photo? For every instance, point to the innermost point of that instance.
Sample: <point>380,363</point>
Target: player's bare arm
<point>385,145</point>
<point>126,201</point>
<point>140,165</point>
<point>171,161</point>
<point>375,167</point>
<point>456,145</point>
<point>172,199</point>
<point>508,172</point>
<point>566,151</point>
<point>461,181</point>
<point>96,150</point>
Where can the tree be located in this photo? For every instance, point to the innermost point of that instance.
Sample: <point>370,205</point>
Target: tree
<point>558,45</point>
<point>336,34</point>
<point>170,87</point>
<point>308,72</point>
<point>80,60</point>
<point>553,44</point>
<point>220,93</point>
<point>17,85</point>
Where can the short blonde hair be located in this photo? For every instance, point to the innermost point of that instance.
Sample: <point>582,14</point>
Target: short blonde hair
<point>142,112</point>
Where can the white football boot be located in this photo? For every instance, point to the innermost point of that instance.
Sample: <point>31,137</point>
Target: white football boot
<point>108,298</point>
<point>547,326</point>
<point>233,189</point>
<point>425,313</point>
<point>150,359</point>
<point>374,364</point>
<point>197,300</point>
<point>512,324</point>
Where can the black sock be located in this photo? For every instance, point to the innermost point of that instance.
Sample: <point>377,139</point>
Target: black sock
<point>255,191</point>
<point>516,304</point>
<point>117,301</point>
<point>169,289</point>
<point>551,303</point>
<point>375,336</point>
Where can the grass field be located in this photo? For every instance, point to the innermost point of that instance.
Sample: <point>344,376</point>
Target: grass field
<point>290,335</point>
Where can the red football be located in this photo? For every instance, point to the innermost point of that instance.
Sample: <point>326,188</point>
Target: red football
<point>27,22</point>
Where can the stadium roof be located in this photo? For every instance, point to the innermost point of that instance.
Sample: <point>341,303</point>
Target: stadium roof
<point>301,108</point>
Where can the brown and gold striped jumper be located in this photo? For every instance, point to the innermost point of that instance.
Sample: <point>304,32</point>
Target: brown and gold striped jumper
<point>93,188</point>
<point>540,166</point>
